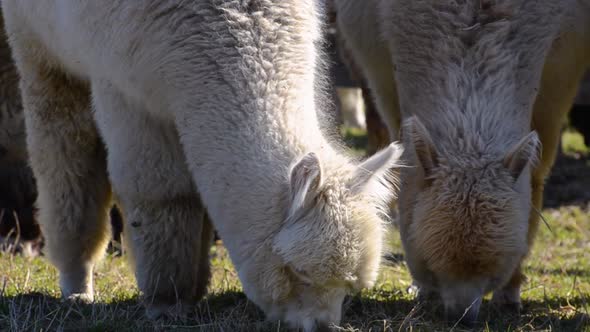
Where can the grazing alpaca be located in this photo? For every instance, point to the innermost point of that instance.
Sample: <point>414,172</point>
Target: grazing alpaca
<point>481,86</point>
<point>222,93</point>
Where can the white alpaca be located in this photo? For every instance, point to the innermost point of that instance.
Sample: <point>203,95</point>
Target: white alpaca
<point>471,79</point>
<point>217,93</point>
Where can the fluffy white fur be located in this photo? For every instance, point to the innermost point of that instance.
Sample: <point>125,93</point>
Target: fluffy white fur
<point>480,85</point>
<point>215,95</point>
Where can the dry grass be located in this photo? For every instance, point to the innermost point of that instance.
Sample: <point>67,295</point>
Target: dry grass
<point>556,297</point>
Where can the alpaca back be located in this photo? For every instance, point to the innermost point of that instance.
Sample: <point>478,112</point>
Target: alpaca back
<point>475,53</point>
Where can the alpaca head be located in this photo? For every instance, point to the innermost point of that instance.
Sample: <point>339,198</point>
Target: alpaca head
<point>331,239</point>
<point>465,216</point>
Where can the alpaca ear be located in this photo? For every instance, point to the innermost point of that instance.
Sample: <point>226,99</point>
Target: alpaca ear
<point>417,136</point>
<point>376,167</point>
<point>305,179</point>
<point>526,152</point>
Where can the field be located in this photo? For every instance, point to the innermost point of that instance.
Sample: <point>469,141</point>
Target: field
<point>555,298</point>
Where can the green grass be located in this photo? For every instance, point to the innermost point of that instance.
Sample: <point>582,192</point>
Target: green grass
<point>556,296</point>
<point>573,142</point>
<point>355,138</point>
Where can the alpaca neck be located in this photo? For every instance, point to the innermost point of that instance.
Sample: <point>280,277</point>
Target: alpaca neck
<point>271,110</point>
<point>477,68</point>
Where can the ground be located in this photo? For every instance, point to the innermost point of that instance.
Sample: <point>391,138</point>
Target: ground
<point>556,296</point>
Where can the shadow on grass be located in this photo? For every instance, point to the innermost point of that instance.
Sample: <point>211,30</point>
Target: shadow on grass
<point>399,314</point>
<point>231,311</point>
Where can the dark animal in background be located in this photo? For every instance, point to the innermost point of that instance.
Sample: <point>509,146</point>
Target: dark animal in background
<point>580,113</point>
<point>115,247</point>
<point>580,120</point>
<point>19,230</point>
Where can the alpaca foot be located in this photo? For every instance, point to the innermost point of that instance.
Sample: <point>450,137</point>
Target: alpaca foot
<point>76,284</point>
<point>80,298</point>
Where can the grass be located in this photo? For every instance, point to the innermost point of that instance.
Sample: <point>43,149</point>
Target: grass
<point>555,298</point>
<point>573,142</point>
<point>355,138</point>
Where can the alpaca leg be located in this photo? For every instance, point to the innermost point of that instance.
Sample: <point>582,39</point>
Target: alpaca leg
<point>377,132</point>
<point>207,234</point>
<point>357,21</point>
<point>68,160</point>
<point>115,246</point>
<point>509,295</point>
<point>163,213</point>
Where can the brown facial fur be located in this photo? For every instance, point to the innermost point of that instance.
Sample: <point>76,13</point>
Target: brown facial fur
<point>464,230</point>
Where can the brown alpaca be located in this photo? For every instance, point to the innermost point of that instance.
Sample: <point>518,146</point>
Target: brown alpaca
<point>480,86</point>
